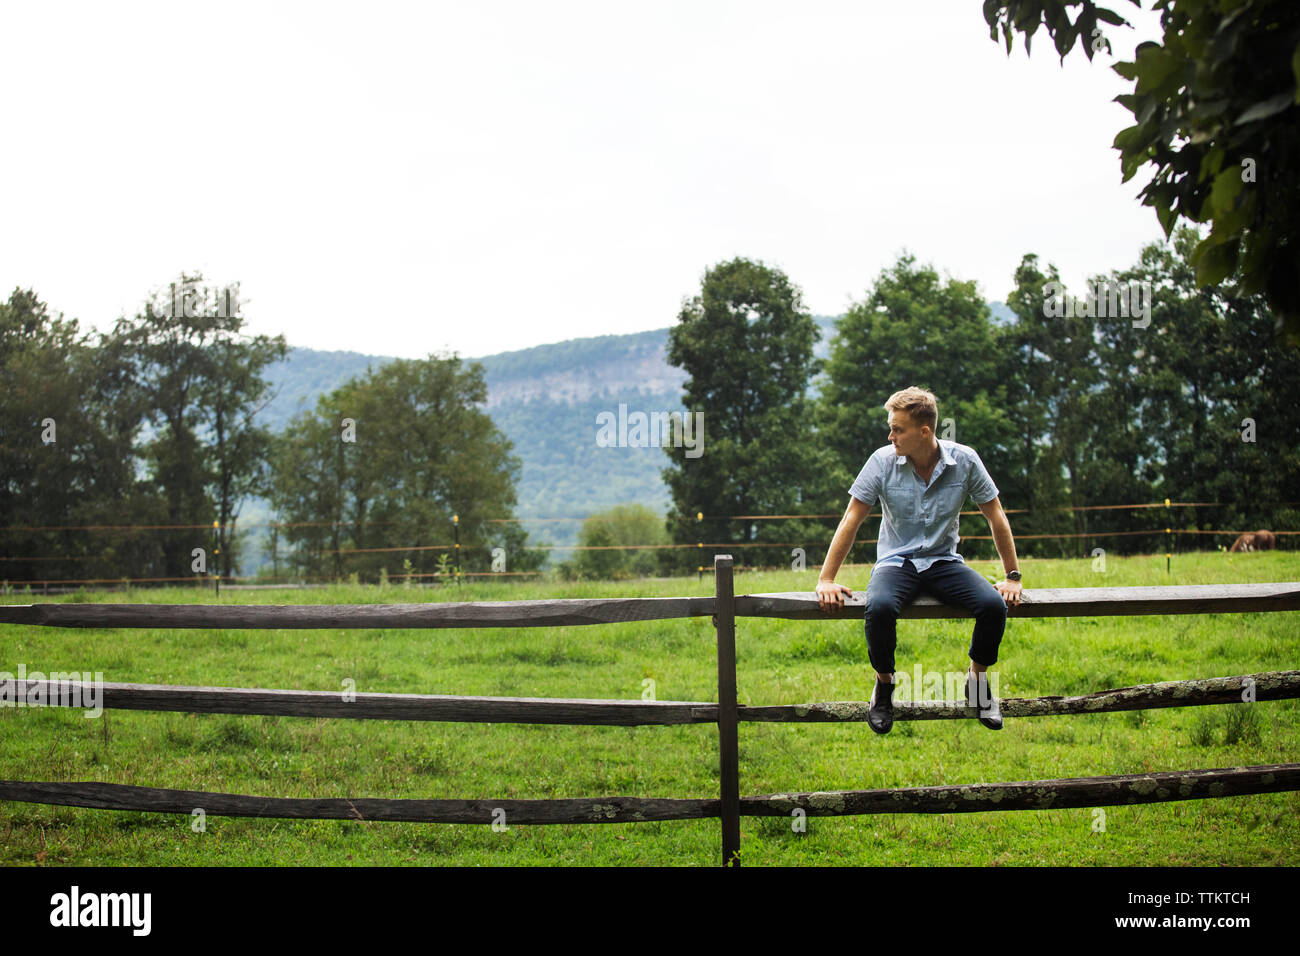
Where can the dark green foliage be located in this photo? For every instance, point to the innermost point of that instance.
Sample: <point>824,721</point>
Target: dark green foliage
<point>388,460</point>
<point>50,372</point>
<point>1217,114</point>
<point>623,524</point>
<point>1125,412</point>
<point>1048,374</point>
<point>746,345</point>
<point>1208,363</point>
<point>913,329</point>
<point>200,379</point>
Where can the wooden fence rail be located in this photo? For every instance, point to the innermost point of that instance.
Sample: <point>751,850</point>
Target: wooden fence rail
<point>724,607</point>
<point>1277,685</point>
<point>794,605</point>
<point>1057,602</point>
<point>557,613</point>
<point>1070,793</point>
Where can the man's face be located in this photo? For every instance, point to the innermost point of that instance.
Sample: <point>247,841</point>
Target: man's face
<point>907,436</point>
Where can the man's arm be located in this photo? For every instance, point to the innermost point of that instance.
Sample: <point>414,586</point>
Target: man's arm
<point>1001,528</point>
<point>829,594</point>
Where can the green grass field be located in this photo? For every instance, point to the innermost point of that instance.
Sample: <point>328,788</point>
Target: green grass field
<point>778,662</point>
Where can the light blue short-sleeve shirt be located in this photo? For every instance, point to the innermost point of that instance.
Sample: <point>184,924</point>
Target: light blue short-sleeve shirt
<point>919,521</point>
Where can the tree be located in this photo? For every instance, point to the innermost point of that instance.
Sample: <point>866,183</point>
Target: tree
<point>746,343</point>
<point>1049,366</point>
<point>1169,404</point>
<point>240,450</point>
<point>307,492</point>
<point>202,386</point>
<point>386,461</point>
<point>627,524</point>
<point>1219,394</point>
<point>67,423</point>
<point>1216,106</point>
<point>1074,375</point>
<point>913,329</point>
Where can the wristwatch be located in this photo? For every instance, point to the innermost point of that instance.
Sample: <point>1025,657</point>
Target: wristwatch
<point>1013,575</point>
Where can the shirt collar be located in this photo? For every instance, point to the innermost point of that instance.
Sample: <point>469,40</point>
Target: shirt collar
<point>945,455</point>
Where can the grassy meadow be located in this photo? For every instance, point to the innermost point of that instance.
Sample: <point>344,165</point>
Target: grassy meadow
<point>778,662</point>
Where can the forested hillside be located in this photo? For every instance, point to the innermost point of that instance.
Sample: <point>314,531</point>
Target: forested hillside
<point>546,399</point>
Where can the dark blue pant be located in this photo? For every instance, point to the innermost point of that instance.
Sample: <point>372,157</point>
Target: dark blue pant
<point>952,582</point>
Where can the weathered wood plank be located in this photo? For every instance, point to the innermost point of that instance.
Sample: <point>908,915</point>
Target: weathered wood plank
<point>116,796</point>
<point>1053,602</point>
<point>1062,794</point>
<point>724,620</point>
<point>551,613</point>
<point>792,605</point>
<point>1067,793</point>
<point>1278,685</point>
<point>365,706</point>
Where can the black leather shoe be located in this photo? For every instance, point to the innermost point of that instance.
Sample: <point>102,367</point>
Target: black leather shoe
<point>990,714</point>
<point>881,714</point>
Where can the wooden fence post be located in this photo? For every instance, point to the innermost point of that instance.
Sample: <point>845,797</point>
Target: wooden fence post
<point>724,619</point>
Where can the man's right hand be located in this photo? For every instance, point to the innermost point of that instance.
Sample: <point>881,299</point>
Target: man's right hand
<point>831,595</point>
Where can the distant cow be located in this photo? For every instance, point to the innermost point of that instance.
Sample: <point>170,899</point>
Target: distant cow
<point>1259,541</point>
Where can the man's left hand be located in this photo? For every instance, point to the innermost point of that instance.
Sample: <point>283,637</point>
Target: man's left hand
<point>1010,591</point>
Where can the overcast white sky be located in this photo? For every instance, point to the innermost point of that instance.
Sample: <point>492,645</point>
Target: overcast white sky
<point>399,178</point>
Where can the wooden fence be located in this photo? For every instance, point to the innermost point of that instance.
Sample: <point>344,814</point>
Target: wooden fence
<point>724,607</point>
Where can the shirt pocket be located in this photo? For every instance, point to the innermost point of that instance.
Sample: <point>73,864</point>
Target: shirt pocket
<point>905,500</point>
<point>938,501</point>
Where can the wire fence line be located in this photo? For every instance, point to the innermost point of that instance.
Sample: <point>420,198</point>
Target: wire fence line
<point>208,526</point>
<point>291,579</point>
<point>26,566</point>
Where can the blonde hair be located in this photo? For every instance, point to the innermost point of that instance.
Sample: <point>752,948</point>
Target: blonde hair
<point>921,406</point>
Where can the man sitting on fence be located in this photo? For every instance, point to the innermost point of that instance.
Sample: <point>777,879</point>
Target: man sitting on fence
<point>922,483</point>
